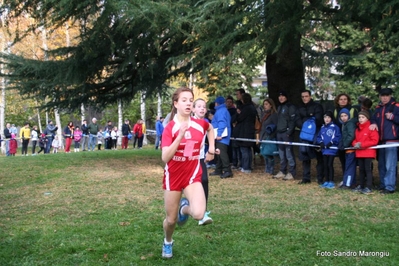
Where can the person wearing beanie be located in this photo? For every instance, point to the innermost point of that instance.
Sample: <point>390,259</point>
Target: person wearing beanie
<point>386,120</point>
<point>309,110</point>
<point>287,116</point>
<point>348,135</point>
<point>328,137</point>
<point>365,138</point>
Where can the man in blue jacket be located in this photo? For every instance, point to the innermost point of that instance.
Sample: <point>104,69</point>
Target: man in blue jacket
<point>159,128</point>
<point>221,123</point>
<point>386,121</point>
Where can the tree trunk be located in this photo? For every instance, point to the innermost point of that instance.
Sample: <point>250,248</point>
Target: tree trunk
<point>142,109</point>
<point>59,130</point>
<point>159,105</point>
<point>284,71</point>
<point>120,121</point>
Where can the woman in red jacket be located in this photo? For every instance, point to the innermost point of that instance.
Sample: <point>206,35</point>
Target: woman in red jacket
<point>365,138</point>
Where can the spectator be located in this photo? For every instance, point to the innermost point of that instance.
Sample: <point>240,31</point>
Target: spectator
<point>239,94</point>
<point>77,136</point>
<point>343,100</point>
<point>93,130</point>
<point>34,138</point>
<point>42,143</point>
<point>68,136</point>
<point>85,136</point>
<point>56,144</point>
<point>100,139</point>
<point>245,128</point>
<point>268,131</point>
<point>348,135</point>
<point>138,133</point>
<point>309,109</point>
<point>108,141</point>
<point>329,136</point>
<point>13,129</point>
<point>114,138</point>
<point>222,124</point>
<point>386,121</point>
<point>365,138</point>
<point>24,135</point>
<point>126,130</point>
<point>159,129</point>
<point>287,114</point>
<point>50,133</point>
<point>7,137</point>
<point>232,111</point>
<point>13,145</point>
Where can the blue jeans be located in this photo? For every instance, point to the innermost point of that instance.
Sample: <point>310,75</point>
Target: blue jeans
<point>157,140</point>
<point>92,142</point>
<point>7,143</point>
<point>387,162</point>
<point>246,158</point>
<point>48,144</point>
<point>286,154</point>
<point>269,164</point>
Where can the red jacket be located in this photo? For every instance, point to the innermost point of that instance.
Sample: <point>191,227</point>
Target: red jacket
<point>138,130</point>
<point>367,138</point>
<point>13,146</point>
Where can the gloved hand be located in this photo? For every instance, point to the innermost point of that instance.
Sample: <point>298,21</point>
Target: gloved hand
<point>322,146</point>
<point>328,145</point>
<point>357,145</point>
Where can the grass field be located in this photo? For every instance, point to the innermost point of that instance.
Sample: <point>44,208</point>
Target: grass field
<point>106,208</point>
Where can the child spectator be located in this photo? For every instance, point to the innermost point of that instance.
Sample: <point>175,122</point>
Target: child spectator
<point>77,136</point>
<point>55,144</point>
<point>348,135</point>
<point>42,143</point>
<point>13,145</point>
<point>365,138</point>
<point>114,138</point>
<point>328,137</point>
<point>34,137</point>
<point>100,139</point>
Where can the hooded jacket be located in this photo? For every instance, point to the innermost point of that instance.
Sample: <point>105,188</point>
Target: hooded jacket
<point>329,134</point>
<point>367,138</point>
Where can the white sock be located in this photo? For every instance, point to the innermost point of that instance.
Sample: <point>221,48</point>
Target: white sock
<point>166,242</point>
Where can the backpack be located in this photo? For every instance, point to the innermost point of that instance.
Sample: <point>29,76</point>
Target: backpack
<point>308,130</point>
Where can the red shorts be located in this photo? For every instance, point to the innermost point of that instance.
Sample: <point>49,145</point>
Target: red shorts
<point>181,179</point>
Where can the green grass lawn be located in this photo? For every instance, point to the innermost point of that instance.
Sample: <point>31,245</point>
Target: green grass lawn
<point>106,208</point>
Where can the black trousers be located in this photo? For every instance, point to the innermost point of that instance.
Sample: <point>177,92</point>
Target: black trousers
<point>328,161</point>
<point>365,172</point>
<point>223,162</point>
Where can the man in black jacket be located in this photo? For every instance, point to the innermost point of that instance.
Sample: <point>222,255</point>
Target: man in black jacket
<point>286,113</point>
<point>85,135</point>
<point>307,110</point>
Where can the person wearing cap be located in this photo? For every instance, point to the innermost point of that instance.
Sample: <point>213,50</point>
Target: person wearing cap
<point>365,138</point>
<point>328,139</point>
<point>307,110</point>
<point>348,135</point>
<point>221,122</point>
<point>159,130</point>
<point>125,133</point>
<point>386,120</point>
<point>50,133</point>
<point>287,115</point>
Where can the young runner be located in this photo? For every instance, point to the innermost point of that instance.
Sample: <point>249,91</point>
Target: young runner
<point>181,145</point>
